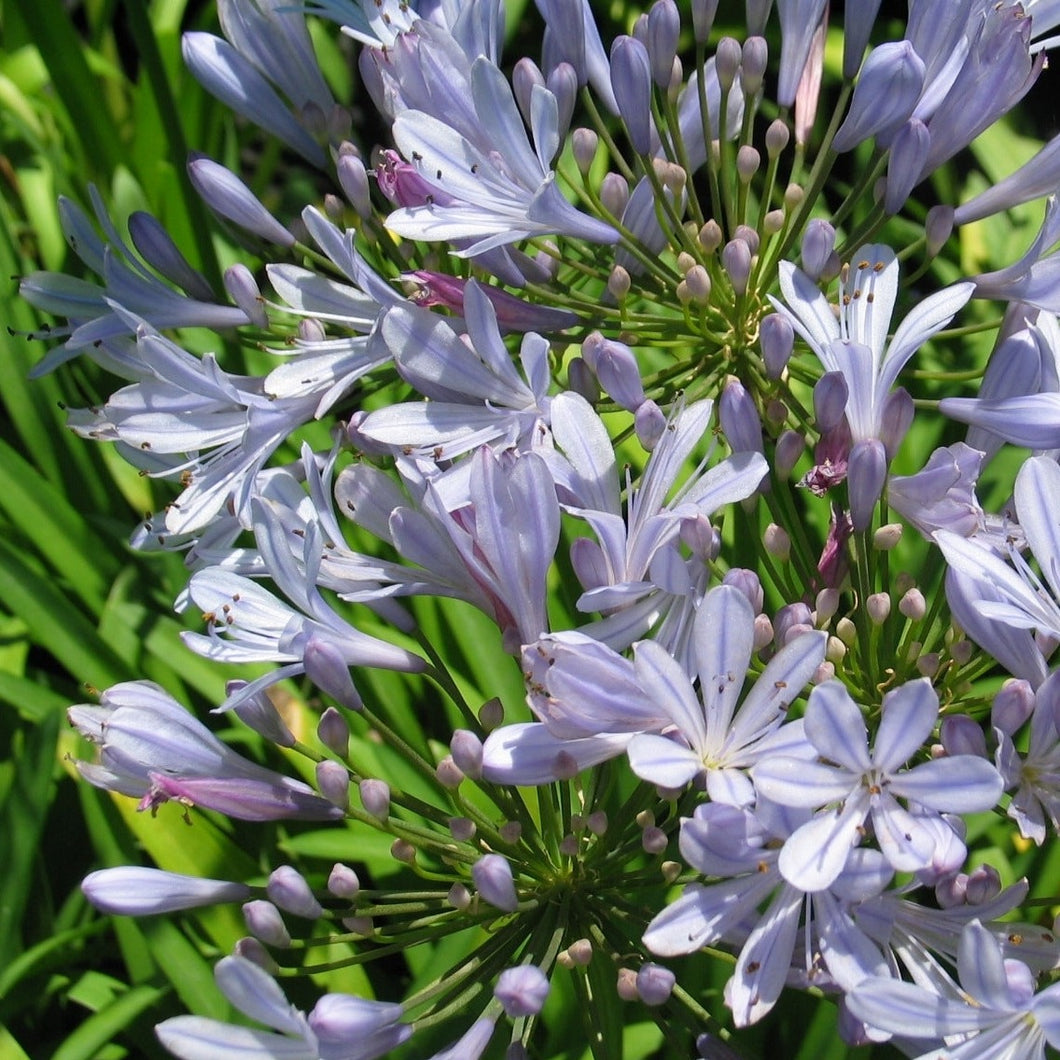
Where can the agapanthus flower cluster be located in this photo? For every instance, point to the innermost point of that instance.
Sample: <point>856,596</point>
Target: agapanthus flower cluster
<point>639,354</point>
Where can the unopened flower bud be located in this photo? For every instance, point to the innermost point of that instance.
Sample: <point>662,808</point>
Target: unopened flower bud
<point>449,774</point>
<point>250,949</point>
<point>619,283</point>
<point>790,446</point>
<point>265,923</point>
<point>627,984</point>
<point>866,474</point>
<point>616,367</point>
<point>710,236</point>
<point>288,889</point>
<point>777,137</point>
<point>326,667</point>
<point>655,984</point>
<point>581,952</point>
<point>748,161</point>
<point>568,846</point>
<point>243,289</point>
<point>736,260</point>
<point>231,199</point>
<point>739,417</point>
<point>653,840</point>
<point>753,65</point>
<point>835,651</point>
<point>826,605</point>
<point>562,82</point>
<point>359,925</point>
<point>952,891</point>
<point>776,541</point>
<point>703,12</point>
<point>670,870</point>
<point>903,582</point>
<point>878,606</point>
<point>961,652</point>
<point>493,879</point>
<point>937,228</point>
<point>260,715</point>
<point>466,750</point>
<point>333,782</point>
<point>510,831</point>
<point>763,633</point>
<point>824,672</point>
<point>818,242</point>
<point>847,632</point>
<point>334,732</point>
<point>133,891</point>
<point>402,850</point>
<point>913,605</point>
<point>748,582</point>
<point>157,248</point>
<point>631,83</point>
<point>895,420</point>
<point>984,884</point>
<point>698,285</point>
<point>727,60</point>
<point>584,143</point>
<point>664,27</point>
<point>526,76</point>
<point>793,195</point>
<point>1013,705</point>
<point>961,735</point>
<point>774,222</point>
<point>353,179</point>
<point>490,716</point>
<point>830,401</point>
<point>928,664</point>
<point>343,882</point>
<point>375,797</point>
<point>614,193</point>
<point>521,991</point>
<point>649,421</point>
<point>887,536</point>
<point>459,897</point>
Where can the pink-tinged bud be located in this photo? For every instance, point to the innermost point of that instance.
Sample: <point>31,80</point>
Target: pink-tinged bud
<point>562,82</point>
<point>776,541</point>
<point>245,799</point>
<point>698,284</point>
<point>493,880</point>
<point>614,193</point>
<point>375,798</point>
<point>521,991</point>
<point>631,83</point>
<point>526,75</point>
<point>626,986</point>
<point>449,773</point>
<point>818,242</point>
<point>824,672</point>
<point>887,537</point>
<point>984,884</point>
<point>748,161</point>
<point>960,735</point>
<point>727,61</point>
<point>789,617</point>
<point>329,671</point>
<point>808,90</point>
<point>132,891</point>
<point>830,401</point>
<point>459,897</point>
<point>252,950</point>
<point>763,632</point>
<point>334,732</point>
<point>790,446</point>
<point>878,606</point>
<point>462,828</point>
<point>699,535</point>
<point>243,289</point>
<point>353,179</point>
<point>913,605</point>
<point>287,887</point>
<point>653,840</point>
<point>157,248</point>
<point>749,584</point>
<point>749,236</point>
<point>664,28</point>
<point>778,135</point>
<point>649,421</point>
<point>402,184</point>
<point>343,882</point>
<point>1012,706</point>
<point>359,925</point>
<point>596,822</point>
<point>466,749</point>
<point>938,228</point>
<point>231,199</point>
<point>333,782</point>
<point>655,984</point>
<point>616,368</point>
<point>259,714</point>
<point>265,923</point>
<point>703,12</point>
<point>402,850</point>
<point>710,236</point>
<point>736,261</point>
<point>739,418</point>
<point>584,144</point>
<point>866,474</point>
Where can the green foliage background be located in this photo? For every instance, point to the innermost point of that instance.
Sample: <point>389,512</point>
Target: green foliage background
<point>96,92</point>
